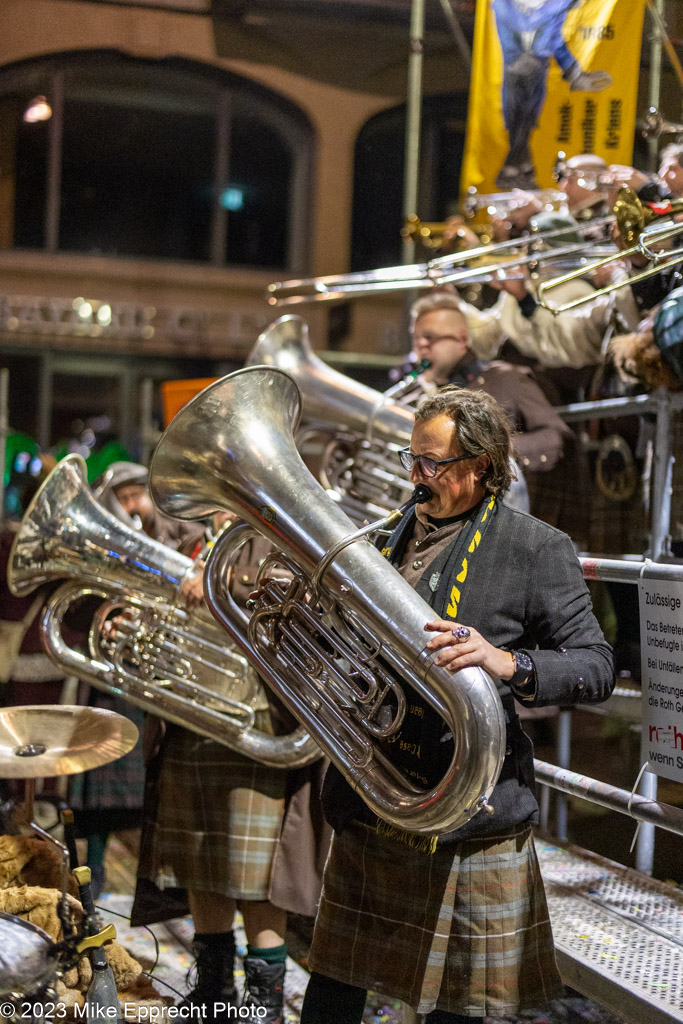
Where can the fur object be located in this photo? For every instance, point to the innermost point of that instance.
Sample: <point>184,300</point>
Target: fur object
<point>637,358</point>
<point>27,860</point>
<point>39,906</point>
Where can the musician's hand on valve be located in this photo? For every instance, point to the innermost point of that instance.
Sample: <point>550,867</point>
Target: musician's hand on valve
<point>623,175</point>
<point>463,646</point>
<point>193,588</point>
<point>526,205</point>
<point>516,286</point>
<point>255,596</point>
<point>457,235</point>
<point>608,274</point>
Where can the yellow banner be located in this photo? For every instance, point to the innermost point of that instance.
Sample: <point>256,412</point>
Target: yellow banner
<point>549,76</point>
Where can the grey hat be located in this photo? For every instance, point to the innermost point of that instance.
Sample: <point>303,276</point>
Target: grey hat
<point>120,473</point>
<point>552,220</point>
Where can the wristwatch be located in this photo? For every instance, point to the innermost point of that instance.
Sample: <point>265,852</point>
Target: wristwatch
<point>524,667</point>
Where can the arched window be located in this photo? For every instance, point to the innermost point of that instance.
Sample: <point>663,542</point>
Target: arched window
<point>378,176</point>
<point>164,159</point>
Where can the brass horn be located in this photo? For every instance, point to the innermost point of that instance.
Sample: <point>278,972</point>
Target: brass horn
<point>357,424</point>
<point>640,224</point>
<point>168,661</point>
<point>342,637</point>
<point>653,125</point>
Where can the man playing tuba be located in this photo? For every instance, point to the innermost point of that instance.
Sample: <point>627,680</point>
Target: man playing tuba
<point>457,926</point>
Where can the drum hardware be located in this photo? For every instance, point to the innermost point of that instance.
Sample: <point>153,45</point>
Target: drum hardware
<point>41,741</point>
<point>28,968</point>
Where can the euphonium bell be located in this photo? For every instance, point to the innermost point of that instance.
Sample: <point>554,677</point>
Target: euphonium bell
<point>341,637</point>
<point>143,646</point>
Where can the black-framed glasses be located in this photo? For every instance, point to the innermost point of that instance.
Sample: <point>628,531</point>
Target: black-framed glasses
<point>426,465</point>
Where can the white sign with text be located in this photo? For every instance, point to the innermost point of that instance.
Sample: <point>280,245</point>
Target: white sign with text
<point>661,646</point>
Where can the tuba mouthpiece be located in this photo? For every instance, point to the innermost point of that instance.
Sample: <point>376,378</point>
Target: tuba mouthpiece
<point>421,494</point>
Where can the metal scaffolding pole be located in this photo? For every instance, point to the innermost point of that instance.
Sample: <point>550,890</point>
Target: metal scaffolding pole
<point>655,79</point>
<point>413,121</point>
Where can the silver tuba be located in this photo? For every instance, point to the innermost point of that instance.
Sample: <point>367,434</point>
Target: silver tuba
<point>340,638</point>
<point>153,652</point>
<point>357,424</point>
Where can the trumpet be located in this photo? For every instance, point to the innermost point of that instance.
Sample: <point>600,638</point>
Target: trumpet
<point>653,125</point>
<point>593,179</point>
<point>432,234</point>
<point>502,204</point>
<point>153,653</point>
<point>342,638</point>
<point>637,224</point>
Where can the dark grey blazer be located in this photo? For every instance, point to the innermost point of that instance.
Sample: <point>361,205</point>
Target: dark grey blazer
<point>525,590</point>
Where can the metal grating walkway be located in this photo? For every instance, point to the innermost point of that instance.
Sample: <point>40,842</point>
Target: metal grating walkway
<point>618,934</point>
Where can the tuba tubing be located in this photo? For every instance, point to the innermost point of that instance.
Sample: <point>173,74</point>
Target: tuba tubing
<point>359,422</point>
<point>232,448</point>
<point>330,399</point>
<point>67,534</point>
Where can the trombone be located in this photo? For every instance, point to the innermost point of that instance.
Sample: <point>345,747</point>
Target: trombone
<point>484,263</point>
<point>502,204</point>
<point>635,223</point>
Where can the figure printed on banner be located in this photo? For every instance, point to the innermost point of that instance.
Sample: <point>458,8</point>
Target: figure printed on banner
<point>530,34</point>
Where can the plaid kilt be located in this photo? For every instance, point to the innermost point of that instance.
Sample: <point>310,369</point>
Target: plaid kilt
<point>217,821</point>
<point>118,785</point>
<point>465,929</point>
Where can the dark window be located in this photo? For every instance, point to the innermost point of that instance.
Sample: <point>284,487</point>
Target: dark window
<point>378,176</point>
<point>260,174</point>
<point>136,181</point>
<point>161,159</point>
<point>28,145</point>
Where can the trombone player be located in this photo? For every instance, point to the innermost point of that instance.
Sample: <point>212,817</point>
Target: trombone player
<point>469,936</point>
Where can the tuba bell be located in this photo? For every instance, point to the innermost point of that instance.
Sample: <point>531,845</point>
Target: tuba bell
<point>357,425</point>
<point>344,634</point>
<point>143,644</point>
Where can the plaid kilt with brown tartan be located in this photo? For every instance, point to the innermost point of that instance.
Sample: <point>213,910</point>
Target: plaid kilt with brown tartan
<point>218,817</point>
<point>465,929</point>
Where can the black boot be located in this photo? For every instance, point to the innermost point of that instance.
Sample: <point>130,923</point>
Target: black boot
<point>214,986</point>
<point>264,988</point>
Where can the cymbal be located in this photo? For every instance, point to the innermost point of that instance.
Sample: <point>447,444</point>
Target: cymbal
<point>43,740</point>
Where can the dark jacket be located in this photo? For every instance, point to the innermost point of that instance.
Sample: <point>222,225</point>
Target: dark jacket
<point>525,590</point>
<point>539,433</point>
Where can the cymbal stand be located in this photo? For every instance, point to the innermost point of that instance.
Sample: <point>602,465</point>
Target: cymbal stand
<point>65,950</point>
<point>101,995</point>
